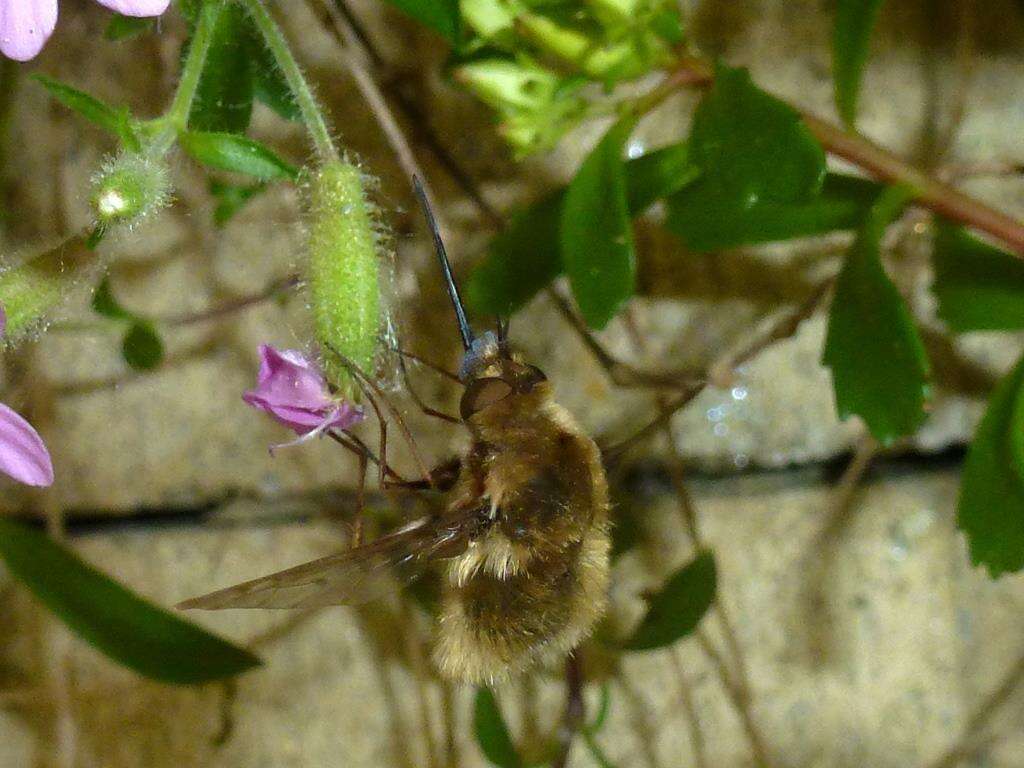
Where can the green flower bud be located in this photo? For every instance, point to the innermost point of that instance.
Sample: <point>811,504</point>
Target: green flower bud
<point>509,86</point>
<point>563,42</point>
<point>32,290</point>
<point>130,187</point>
<point>488,18</point>
<point>343,271</point>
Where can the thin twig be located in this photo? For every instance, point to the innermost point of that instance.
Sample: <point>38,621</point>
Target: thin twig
<point>234,305</point>
<point>967,743</point>
<point>700,758</point>
<point>622,374</point>
<point>575,710</point>
<point>782,328</point>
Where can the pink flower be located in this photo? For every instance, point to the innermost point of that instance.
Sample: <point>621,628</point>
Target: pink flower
<point>26,25</point>
<point>291,388</point>
<point>23,455</point>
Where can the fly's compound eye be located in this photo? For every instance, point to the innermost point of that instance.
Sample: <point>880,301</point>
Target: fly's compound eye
<point>483,393</point>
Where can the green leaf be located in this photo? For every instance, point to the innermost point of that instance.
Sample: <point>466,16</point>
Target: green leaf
<point>603,708</point>
<point>491,732</point>
<point>230,199</point>
<point>269,85</point>
<point>131,631</point>
<point>524,256</point>
<point>520,261</point>
<point>752,147</point>
<point>659,173</point>
<point>223,100</point>
<point>706,220</point>
<point>979,286</point>
<point>990,510</point>
<point>596,233</point>
<point>442,16</point>
<point>239,154</point>
<point>879,366</point>
<point>851,37</point>
<point>141,347</point>
<point>104,303</point>
<point>124,27</point>
<point>117,121</point>
<point>676,610</point>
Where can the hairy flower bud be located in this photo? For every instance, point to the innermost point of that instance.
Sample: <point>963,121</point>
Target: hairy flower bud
<point>343,271</point>
<point>130,187</point>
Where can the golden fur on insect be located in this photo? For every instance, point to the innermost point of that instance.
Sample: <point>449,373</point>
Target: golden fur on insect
<point>532,586</point>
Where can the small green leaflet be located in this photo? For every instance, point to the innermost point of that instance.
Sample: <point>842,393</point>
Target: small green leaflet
<point>524,257</point>
<point>239,154</point>
<point>851,38</point>
<point>442,16</point>
<point>231,198</point>
<point>128,629</point>
<point>707,221</point>
<point>597,233</point>
<point>879,365</point>
<point>491,732</point>
<point>141,347</point>
<point>676,610</point>
<point>751,147</point>
<point>104,303</point>
<point>979,286</point>
<point>223,100</point>
<point>990,510</point>
<point>117,121</point>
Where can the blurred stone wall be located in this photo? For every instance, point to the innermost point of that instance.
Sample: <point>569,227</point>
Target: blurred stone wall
<point>870,643</point>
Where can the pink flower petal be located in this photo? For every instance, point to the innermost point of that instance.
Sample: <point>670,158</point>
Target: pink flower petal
<point>25,26</point>
<point>23,455</point>
<point>136,7</point>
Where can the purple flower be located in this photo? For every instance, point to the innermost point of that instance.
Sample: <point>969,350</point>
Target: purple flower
<point>22,453</point>
<point>291,388</point>
<point>26,25</point>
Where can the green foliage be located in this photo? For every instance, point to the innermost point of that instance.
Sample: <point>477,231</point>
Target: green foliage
<point>442,16</point>
<point>990,510</point>
<point>596,232</point>
<point>520,261</point>
<point>104,303</point>
<point>231,198</point>
<point>491,732</point>
<point>751,147</point>
<point>125,27</point>
<point>979,286</point>
<point>269,85</point>
<point>238,154</point>
<point>526,255</point>
<point>128,629</point>
<point>530,61</point>
<point>141,347</point>
<point>879,366</point>
<point>115,120</point>
<point>851,37</point>
<point>706,221</point>
<point>223,100</point>
<point>676,610</point>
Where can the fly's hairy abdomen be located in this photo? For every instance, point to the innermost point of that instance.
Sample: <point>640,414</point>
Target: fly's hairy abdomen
<point>535,582</point>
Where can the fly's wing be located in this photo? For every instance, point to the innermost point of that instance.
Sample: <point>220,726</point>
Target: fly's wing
<point>352,577</point>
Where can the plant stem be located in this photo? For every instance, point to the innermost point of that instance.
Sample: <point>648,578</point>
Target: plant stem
<point>931,193</point>
<point>312,116</point>
<point>176,118</point>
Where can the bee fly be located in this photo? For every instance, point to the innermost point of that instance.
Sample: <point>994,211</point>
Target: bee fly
<point>522,539</point>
